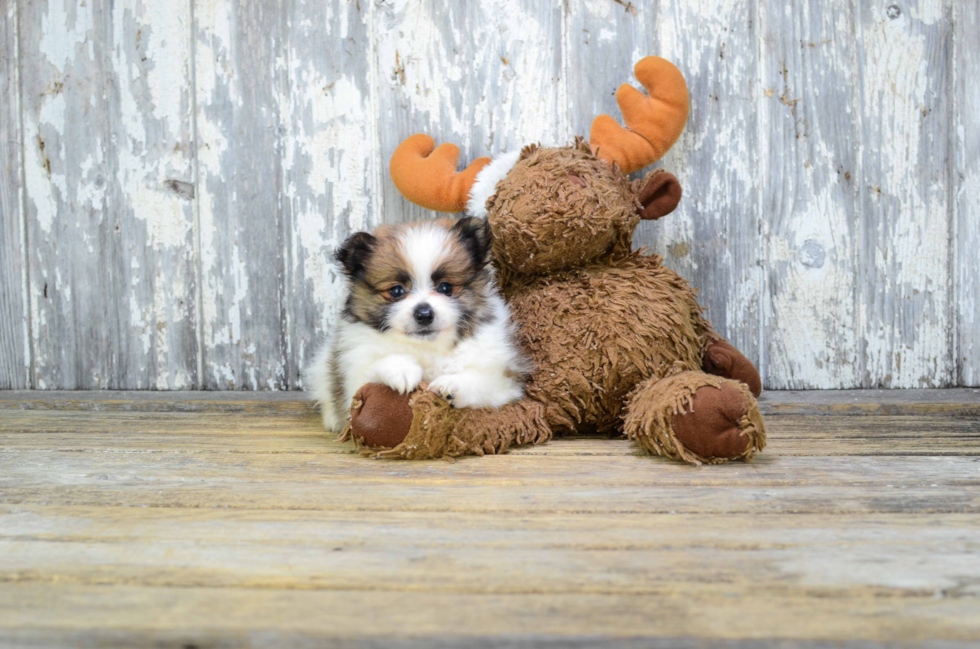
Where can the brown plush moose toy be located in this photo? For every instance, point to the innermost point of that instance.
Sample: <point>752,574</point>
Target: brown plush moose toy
<point>618,341</point>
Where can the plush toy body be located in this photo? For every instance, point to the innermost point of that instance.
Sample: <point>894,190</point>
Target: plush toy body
<point>618,341</point>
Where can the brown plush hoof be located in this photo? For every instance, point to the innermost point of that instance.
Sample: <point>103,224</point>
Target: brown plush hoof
<point>710,427</point>
<point>721,359</point>
<point>380,416</point>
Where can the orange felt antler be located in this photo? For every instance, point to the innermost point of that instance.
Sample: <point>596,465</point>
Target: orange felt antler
<point>429,178</point>
<point>653,123</point>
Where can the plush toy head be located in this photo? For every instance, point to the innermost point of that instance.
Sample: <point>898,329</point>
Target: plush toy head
<point>557,208</point>
<point>566,207</point>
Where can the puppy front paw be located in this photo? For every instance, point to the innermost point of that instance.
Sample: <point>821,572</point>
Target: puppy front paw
<point>473,390</point>
<point>401,373</point>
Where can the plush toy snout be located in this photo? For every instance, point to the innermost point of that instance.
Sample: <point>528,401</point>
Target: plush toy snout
<point>659,193</point>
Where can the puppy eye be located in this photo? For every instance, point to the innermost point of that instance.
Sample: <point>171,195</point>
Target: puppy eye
<point>445,288</point>
<point>397,292</point>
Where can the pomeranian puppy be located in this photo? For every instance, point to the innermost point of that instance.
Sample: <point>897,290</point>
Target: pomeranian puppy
<point>422,306</point>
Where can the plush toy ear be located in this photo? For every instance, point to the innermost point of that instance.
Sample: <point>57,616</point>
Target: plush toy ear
<point>475,235</point>
<point>354,252</point>
<point>659,193</point>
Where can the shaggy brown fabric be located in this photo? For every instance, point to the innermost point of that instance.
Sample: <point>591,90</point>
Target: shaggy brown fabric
<point>695,417</point>
<point>617,340</point>
<point>439,430</point>
<point>721,359</point>
<point>596,332</point>
<point>543,219</point>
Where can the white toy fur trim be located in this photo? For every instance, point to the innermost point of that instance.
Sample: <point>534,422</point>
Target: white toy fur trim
<point>485,185</point>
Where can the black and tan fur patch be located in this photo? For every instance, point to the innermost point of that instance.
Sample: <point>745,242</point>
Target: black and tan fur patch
<point>374,263</point>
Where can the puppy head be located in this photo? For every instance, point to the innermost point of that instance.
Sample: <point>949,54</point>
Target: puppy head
<point>424,280</point>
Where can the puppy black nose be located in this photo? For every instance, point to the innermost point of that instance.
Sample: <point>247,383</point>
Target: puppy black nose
<point>423,314</point>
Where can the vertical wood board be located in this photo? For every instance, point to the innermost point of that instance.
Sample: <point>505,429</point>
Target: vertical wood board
<point>809,105</point>
<point>179,174</point>
<point>905,329</point>
<point>714,238</point>
<point>15,357</point>
<point>240,71</point>
<point>332,171</point>
<point>965,133</point>
<point>107,127</point>
<point>485,75</point>
<point>150,159</point>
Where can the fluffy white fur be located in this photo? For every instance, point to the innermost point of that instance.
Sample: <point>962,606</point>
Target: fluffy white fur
<point>483,369</point>
<point>485,185</point>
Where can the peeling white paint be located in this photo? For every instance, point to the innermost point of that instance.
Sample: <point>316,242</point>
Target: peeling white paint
<point>715,230</point>
<point>777,255</point>
<point>906,207</point>
<point>45,165</point>
<point>166,220</point>
<point>60,32</point>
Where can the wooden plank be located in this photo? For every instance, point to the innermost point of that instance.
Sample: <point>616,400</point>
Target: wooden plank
<point>332,167</point>
<point>604,42</point>
<point>81,467</point>
<point>486,79</point>
<point>281,615</point>
<point>150,159</point>
<point>302,433</point>
<point>338,482</point>
<point>877,402</point>
<point>966,191</point>
<point>713,239</point>
<point>107,126</point>
<point>504,554</point>
<point>69,217</point>
<point>15,355</point>
<point>112,522</point>
<point>904,298</point>
<point>811,114</point>
<point>807,402</point>
<point>239,79</point>
<point>797,441</point>
<point>151,401</point>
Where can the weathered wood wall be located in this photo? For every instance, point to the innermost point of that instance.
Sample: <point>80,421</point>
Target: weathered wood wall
<point>177,172</point>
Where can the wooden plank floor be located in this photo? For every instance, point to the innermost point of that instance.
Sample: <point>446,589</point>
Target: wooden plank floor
<point>223,519</point>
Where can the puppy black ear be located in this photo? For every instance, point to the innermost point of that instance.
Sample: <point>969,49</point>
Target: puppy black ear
<point>355,252</point>
<point>476,236</point>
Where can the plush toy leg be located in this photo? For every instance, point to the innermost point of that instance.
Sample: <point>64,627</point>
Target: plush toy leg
<point>722,359</point>
<point>695,417</point>
<point>423,425</point>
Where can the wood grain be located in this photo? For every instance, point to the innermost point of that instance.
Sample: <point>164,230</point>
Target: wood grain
<point>812,214</point>
<point>549,554</point>
<point>965,154</point>
<point>202,160</point>
<point>714,238</point>
<point>242,523</point>
<point>903,54</point>
<point>280,616</point>
<point>331,169</point>
<point>108,168</point>
<point>484,75</point>
<point>15,357</point>
<point>239,83</point>
<point>69,218</point>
